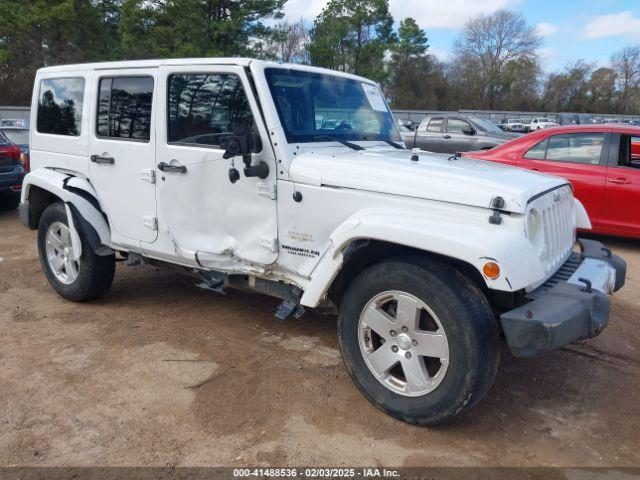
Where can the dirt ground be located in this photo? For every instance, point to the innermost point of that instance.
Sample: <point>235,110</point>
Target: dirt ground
<point>160,373</point>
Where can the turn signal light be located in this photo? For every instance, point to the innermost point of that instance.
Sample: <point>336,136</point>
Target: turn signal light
<point>491,270</point>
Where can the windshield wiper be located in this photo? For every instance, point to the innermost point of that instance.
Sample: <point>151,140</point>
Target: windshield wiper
<point>388,142</point>
<point>394,144</point>
<point>339,140</point>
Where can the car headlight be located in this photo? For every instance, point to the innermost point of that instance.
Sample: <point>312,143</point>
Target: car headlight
<point>533,224</point>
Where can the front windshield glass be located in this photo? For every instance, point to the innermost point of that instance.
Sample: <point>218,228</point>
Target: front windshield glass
<point>312,106</point>
<point>486,125</point>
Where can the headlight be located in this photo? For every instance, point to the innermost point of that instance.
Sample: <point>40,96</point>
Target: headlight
<point>533,224</point>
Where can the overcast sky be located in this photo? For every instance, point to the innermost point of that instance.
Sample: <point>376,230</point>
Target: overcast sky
<point>572,29</point>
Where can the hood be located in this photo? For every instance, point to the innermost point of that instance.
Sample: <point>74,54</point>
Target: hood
<point>432,177</point>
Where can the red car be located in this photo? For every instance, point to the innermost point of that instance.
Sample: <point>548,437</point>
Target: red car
<point>601,161</point>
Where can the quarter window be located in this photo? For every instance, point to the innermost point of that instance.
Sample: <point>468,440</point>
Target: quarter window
<point>124,108</point>
<point>60,106</point>
<point>204,107</point>
<point>435,125</point>
<point>585,148</point>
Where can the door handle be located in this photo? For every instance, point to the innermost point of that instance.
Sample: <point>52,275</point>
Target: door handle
<point>536,169</point>
<point>100,159</point>
<point>446,136</point>
<point>165,167</point>
<point>620,181</point>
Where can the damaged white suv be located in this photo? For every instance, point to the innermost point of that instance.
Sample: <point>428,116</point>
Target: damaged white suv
<point>293,181</point>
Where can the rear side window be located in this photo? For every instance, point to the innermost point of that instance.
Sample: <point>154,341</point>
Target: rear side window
<point>60,106</point>
<point>204,107</point>
<point>435,125</point>
<point>629,151</point>
<point>124,108</point>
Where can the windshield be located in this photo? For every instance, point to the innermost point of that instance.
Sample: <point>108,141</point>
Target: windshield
<point>486,125</point>
<point>312,106</point>
<point>19,137</point>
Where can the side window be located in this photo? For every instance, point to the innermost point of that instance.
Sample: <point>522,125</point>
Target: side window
<point>124,108</point>
<point>538,151</point>
<point>435,125</point>
<point>629,151</point>
<point>584,148</point>
<point>455,125</point>
<point>204,107</point>
<point>60,106</point>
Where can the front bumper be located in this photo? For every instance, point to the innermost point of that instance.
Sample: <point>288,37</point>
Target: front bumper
<point>572,305</point>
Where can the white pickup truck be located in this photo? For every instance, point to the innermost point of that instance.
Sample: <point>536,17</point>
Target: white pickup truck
<point>226,170</point>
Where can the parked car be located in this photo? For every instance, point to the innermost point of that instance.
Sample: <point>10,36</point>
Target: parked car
<point>513,125</point>
<point>455,133</point>
<point>13,164</point>
<point>540,123</point>
<point>575,119</point>
<point>18,134</point>
<point>602,162</point>
<point>415,252</point>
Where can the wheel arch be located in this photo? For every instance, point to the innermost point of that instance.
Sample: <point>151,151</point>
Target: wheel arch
<point>43,187</point>
<point>364,253</point>
<point>463,242</point>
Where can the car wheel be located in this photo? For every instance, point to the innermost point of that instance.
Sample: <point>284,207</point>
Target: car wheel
<point>77,280</point>
<point>418,339</point>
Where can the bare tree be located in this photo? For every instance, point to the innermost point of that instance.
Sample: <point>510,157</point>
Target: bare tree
<point>626,65</point>
<point>288,41</point>
<point>492,42</point>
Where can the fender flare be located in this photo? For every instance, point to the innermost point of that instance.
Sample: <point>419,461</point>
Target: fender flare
<point>81,204</point>
<point>474,244</point>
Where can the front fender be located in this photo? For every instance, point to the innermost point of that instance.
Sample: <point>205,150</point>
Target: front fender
<point>80,200</point>
<point>472,242</point>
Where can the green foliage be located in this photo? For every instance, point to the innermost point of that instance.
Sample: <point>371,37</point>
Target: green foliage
<point>48,32</point>
<point>194,28</point>
<point>411,69</point>
<point>352,36</point>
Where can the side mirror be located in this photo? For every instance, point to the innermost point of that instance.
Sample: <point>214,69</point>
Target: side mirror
<point>243,143</point>
<point>468,130</point>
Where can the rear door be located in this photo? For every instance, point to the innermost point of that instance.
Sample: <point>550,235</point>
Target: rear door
<point>122,152</point>
<point>429,135</point>
<point>621,202</point>
<point>454,140</point>
<point>580,158</point>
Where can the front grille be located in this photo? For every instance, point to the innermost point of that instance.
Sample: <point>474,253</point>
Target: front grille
<point>558,224</point>
<point>563,274</point>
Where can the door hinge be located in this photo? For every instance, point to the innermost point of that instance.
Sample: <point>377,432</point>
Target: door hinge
<point>150,222</point>
<point>148,175</point>
<point>269,242</point>
<point>267,190</point>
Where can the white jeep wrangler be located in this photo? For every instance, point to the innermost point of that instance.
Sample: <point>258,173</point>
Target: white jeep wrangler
<point>293,181</point>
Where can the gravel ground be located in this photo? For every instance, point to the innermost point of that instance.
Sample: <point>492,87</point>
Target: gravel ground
<point>160,373</point>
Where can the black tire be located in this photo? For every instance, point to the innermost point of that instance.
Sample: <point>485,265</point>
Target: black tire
<point>9,202</point>
<point>95,272</point>
<point>464,314</point>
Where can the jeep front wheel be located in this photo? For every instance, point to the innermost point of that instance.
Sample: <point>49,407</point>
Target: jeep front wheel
<point>81,279</point>
<point>418,339</point>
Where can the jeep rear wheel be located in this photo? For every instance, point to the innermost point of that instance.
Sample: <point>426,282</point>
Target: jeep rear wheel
<point>81,279</point>
<point>418,339</point>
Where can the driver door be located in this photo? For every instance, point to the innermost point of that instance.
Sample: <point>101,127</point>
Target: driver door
<point>203,218</point>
